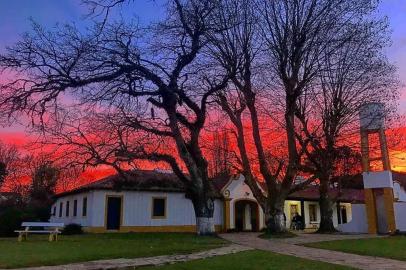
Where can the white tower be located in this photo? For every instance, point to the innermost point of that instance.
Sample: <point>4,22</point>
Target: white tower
<point>378,185</point>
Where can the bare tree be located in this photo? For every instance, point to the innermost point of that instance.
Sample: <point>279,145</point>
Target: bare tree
<point>220,155</point>
<point>154,83</point>
<point>352,74</point>
<point>293,36</point>
<point>44,182</point>
<point>346,168</point>
<point>9,161</point>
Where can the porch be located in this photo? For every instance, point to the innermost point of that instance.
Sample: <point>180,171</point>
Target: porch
<point>245,215</point>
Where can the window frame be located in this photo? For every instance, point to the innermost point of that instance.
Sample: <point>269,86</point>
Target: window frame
<point>341,208</point>
<point>315,213</point>
<point>84,207</point>
<point>75,208</point>
<point>60,209</point>
<point>165,207</point>
<point>67,210</point>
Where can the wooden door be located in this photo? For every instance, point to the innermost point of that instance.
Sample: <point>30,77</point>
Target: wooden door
<point>113,213</point>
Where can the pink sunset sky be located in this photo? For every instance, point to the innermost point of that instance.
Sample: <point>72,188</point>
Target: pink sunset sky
<point>15,18</point>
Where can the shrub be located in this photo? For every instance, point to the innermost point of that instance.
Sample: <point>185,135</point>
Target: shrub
<point>36,213</point>
<point>72,229</point>
<point>10,220</point>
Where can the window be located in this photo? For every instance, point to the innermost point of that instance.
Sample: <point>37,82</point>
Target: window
<point>158,207</point>
<point>293,211</point>
<point>60,209</point>
<point>343,214</point>
<point>75,208</point>
<point>84,207</point>
<point>67,209</point>
<point>312,213</point>
<point>54,211</point>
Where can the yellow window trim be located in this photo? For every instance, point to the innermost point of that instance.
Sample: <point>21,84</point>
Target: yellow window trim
<point>152,208</point>
<point>148,229</point>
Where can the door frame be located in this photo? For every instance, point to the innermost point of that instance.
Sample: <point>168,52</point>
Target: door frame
<point>106,210</point>
<point>257,229</point>
<point>343,208</point>
<point>296,205</point>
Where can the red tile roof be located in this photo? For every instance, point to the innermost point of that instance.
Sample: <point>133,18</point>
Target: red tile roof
<point>141,180</point>
<point>343,195</point>
<point>154,180</point>
<point>136,180</point>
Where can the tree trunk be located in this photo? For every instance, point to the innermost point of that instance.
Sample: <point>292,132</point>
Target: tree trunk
<point>275,217</point>
<point>204,210</point>
<point>326,208</point>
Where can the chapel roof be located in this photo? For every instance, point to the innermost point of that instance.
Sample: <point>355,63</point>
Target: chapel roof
<point>220,181</point>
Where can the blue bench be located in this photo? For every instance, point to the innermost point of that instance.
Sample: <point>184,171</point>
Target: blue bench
<point>53,229</point>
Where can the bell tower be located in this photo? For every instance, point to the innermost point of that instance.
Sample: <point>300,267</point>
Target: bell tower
<point>378,184</point>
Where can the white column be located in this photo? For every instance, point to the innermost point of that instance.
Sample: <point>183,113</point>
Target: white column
<point>247,218</point>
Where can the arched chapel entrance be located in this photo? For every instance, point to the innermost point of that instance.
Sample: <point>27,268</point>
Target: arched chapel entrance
<point>246,215</point>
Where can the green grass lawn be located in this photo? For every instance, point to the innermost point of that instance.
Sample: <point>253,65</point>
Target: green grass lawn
<point>390,247</point>
<point>250,260</point>
<point>37,251</point>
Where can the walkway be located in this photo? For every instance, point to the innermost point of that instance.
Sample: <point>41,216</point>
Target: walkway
<point>117,264</point>
<point>305,238</point>
<point>289,246</point>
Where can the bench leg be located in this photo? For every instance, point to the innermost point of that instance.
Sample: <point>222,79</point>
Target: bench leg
<point>20,237</point>
<point>53,237</point>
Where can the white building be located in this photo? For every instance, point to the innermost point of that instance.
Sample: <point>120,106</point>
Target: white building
<point>153,201</point>
<point>382,214</point>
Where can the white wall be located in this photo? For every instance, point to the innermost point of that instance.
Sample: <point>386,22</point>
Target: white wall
<point>137,209</point>
<point>358,223</point>
<point>79,219</point>
<point>380,179</point>
<point>97,208</point>
<point>399,192</point>
<point>400,216</point>
<point>179,210</point>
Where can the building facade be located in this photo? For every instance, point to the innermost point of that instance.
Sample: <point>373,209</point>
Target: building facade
<point>153,201</point>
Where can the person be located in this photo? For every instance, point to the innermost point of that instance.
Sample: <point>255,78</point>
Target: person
<point>297,222</point>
